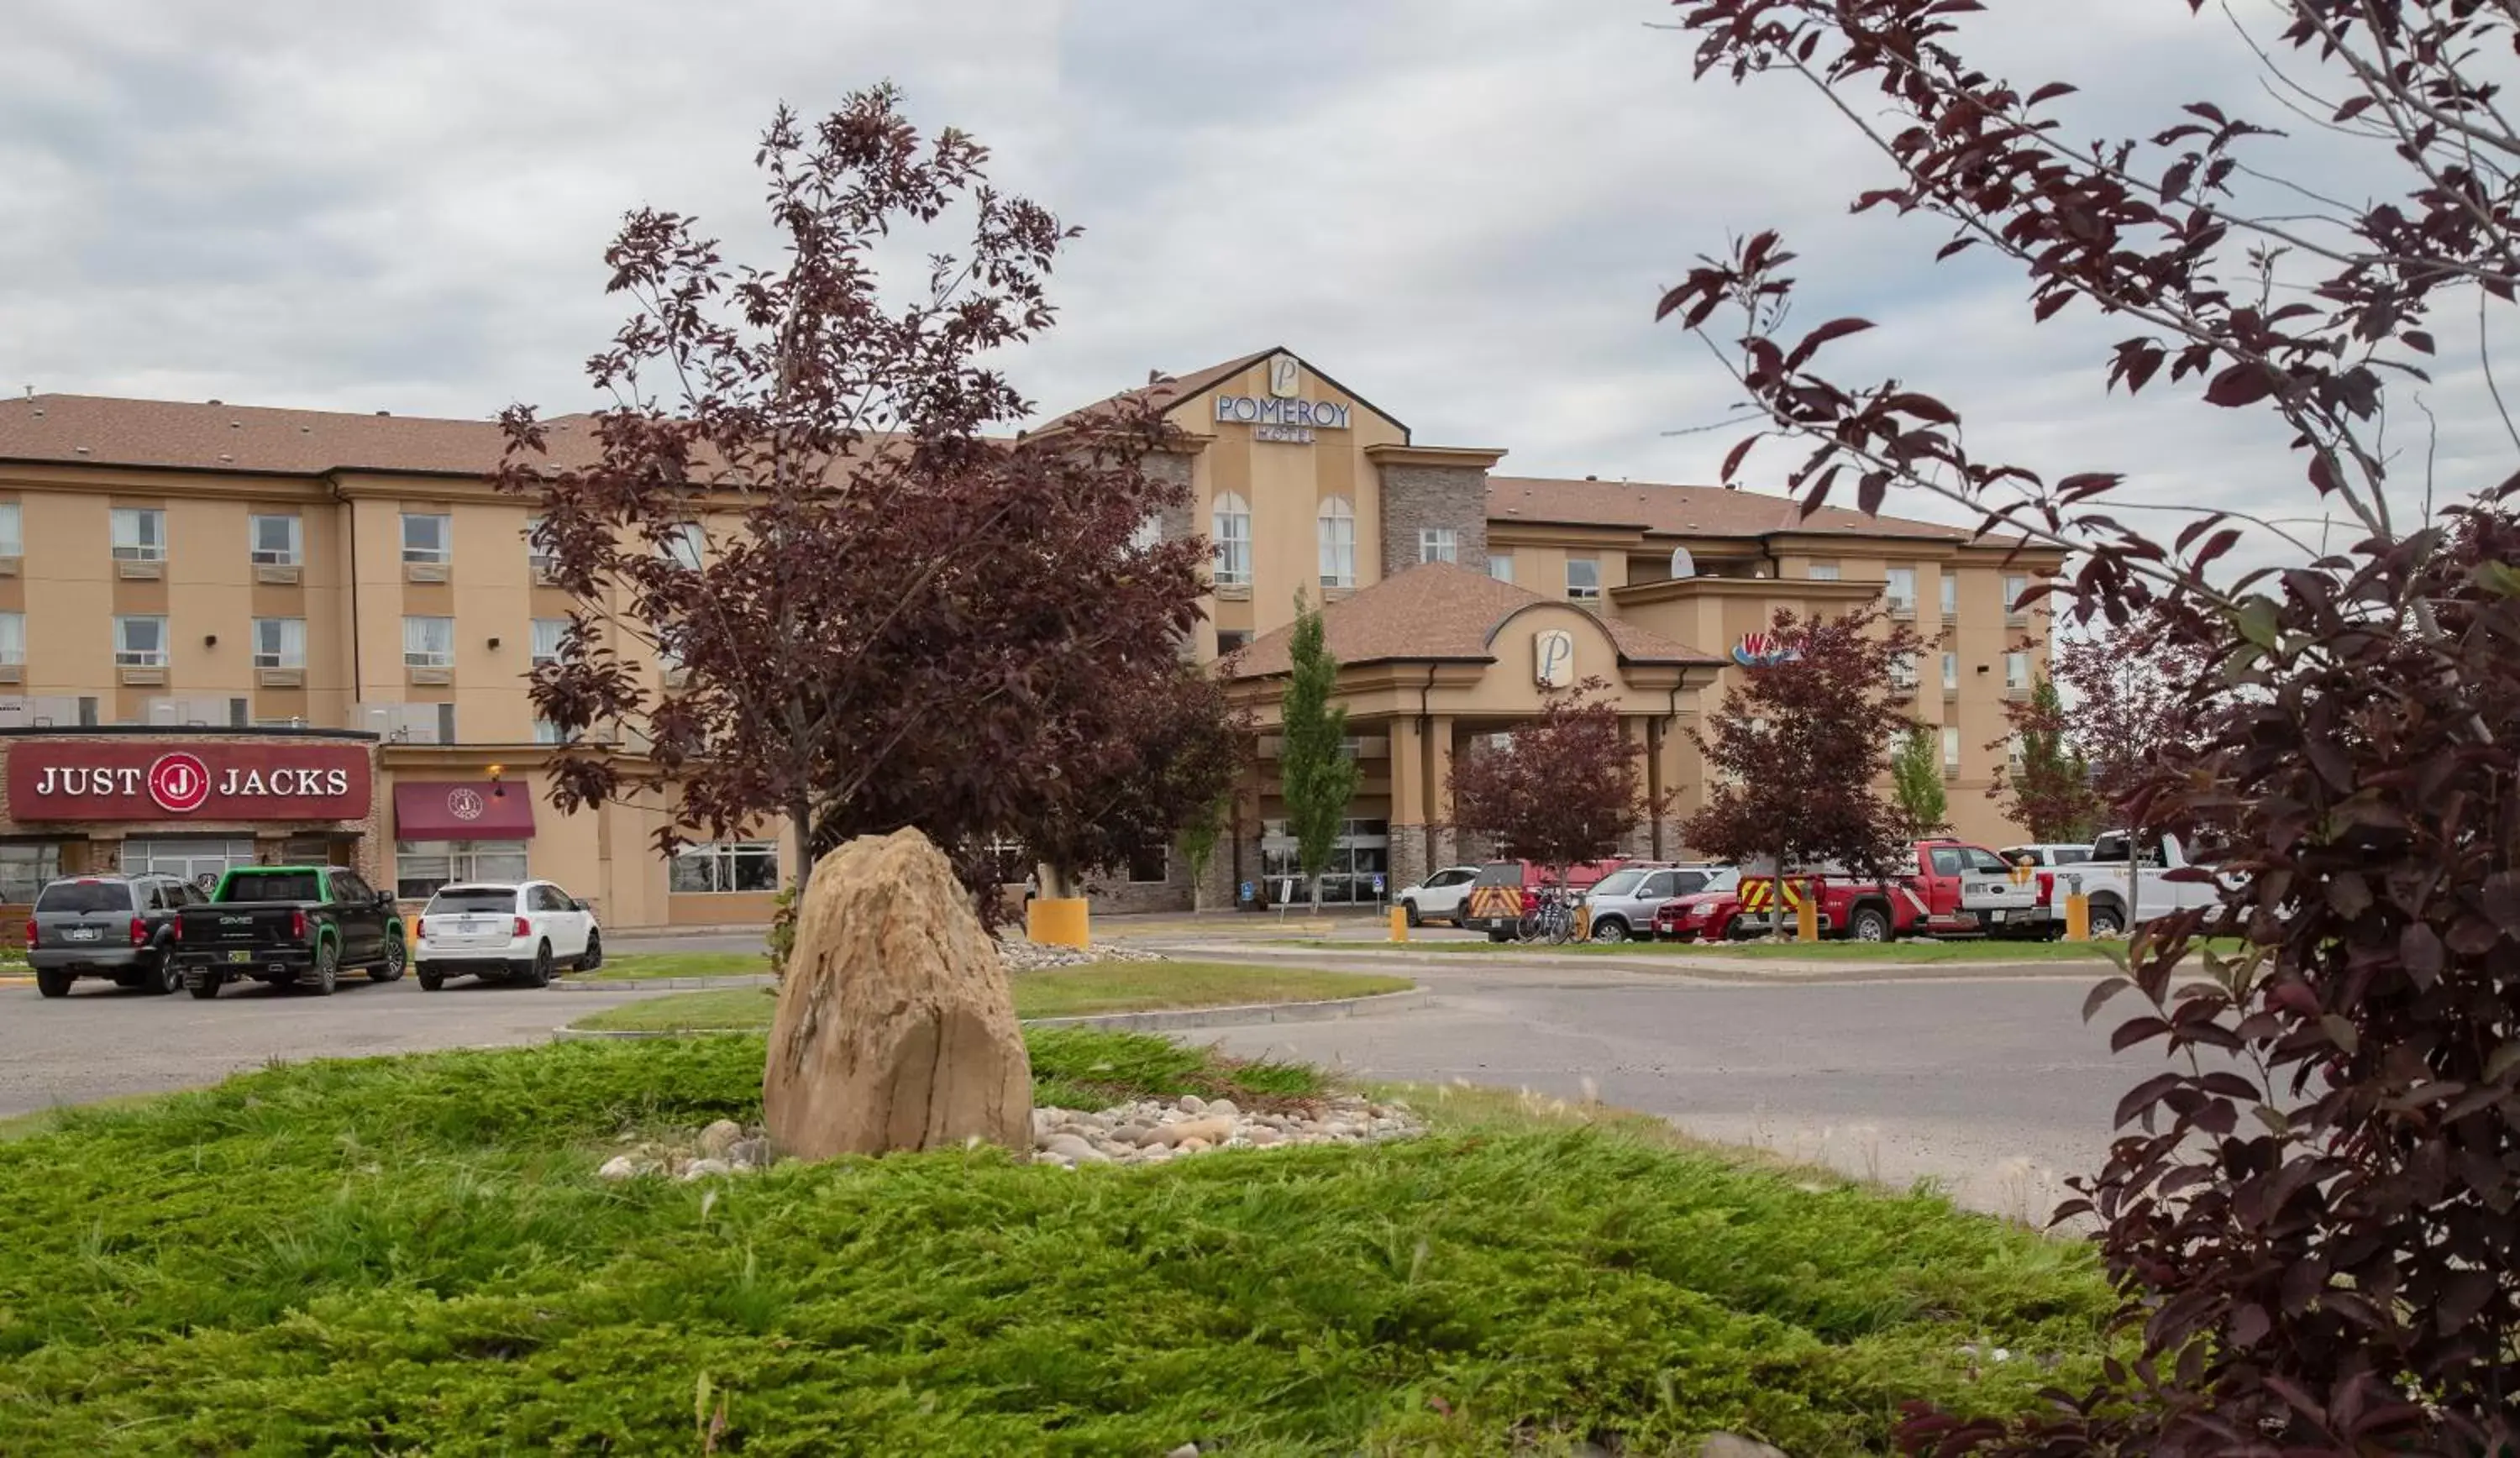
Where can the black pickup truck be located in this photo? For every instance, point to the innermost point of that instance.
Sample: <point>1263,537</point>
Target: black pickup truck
<point>290,926</point>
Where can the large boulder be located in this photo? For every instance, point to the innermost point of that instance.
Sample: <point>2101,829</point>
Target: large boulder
<point>896,1028</point>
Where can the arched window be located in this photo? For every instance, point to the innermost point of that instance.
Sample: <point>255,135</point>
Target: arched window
<point>1338,543</point>
<point>1681,564</point>
<point>1232,534</point>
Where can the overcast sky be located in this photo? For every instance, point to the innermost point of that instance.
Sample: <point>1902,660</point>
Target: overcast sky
<point>1464,210</point>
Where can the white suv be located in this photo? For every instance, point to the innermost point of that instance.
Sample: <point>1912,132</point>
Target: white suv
<point>1439,896</point>
<point>503,932</point>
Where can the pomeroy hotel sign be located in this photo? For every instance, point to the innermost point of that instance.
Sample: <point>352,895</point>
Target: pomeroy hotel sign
<point>92,780</point>
<point>1280,415</point>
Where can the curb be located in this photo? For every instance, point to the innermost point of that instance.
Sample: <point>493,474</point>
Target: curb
<point>1158,1021</point>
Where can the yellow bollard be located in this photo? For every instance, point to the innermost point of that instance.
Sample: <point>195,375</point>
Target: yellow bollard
<point>1057,921</point>
<point>1807,920</point>
<point>2078,918</point>
<point>1583,921</point>
<point>1400,923</point>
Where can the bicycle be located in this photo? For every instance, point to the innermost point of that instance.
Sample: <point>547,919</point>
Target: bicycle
<point>1552,918</point>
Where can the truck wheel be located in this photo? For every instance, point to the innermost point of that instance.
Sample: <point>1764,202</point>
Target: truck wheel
<point>1609,929</point>
<point>390,969</point>
<point>1497,935</point>
<point>2107,920</point>
<point>430,979</point>
<point>328,968</point>
<point>166,980</point>
<point>1408,913</point>
<point>52,984</point>
<point>205,987</point>
<point>1868,924</point>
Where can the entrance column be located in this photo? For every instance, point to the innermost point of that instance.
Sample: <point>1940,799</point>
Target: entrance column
<point>1409,802</point>
<point>1443,845</point>
<point>1642,839</point>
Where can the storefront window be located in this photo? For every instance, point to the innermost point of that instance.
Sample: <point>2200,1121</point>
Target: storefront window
<point>737,865</point>
<point>197,861</point>
<point>1151,864</point>
<point>24,870</point>
<point>1362,852</point>
<point>420,867</point>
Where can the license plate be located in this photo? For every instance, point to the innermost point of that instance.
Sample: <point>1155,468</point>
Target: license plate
<point>80,934</point>
<point>241,956</point>
<point>1994,916</point>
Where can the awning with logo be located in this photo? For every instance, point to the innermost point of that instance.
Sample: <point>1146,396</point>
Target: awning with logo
<point>462,810</point>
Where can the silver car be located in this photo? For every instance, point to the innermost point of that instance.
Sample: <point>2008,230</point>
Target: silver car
<point>1623,904</point>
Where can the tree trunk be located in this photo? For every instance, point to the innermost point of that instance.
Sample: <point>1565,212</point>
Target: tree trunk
<point>800,822</point>
<point>1317,893</point>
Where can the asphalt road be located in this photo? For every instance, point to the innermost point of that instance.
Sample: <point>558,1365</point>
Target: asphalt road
<point>102,1041</point>
<point>1988,1084</point>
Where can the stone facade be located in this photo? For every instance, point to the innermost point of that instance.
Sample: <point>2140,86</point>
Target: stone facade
<point>1180,520</point>
<point>1424,496</point>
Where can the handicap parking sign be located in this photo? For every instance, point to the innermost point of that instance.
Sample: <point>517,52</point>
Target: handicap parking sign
<point>1377,885</point>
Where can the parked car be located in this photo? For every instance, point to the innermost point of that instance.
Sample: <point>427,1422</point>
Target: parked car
<point>1623,904</point>
<point>1949,888</point>
<point>505,931</point>
<point>111,926</point>
<point>1439,896</point>
<point>289,926</point>
<point>2126,885</point>
<point>1505,890</point>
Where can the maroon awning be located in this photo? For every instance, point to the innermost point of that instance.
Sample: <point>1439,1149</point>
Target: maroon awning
<point>462,810</point>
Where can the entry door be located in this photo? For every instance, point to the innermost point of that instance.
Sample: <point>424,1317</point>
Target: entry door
<point>200,863</point>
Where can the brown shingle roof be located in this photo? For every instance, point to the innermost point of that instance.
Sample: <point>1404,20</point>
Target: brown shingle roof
<point>1685,511</point>
<point>100,430</point>
<point>1438,612</point>
<point>1168,391</point>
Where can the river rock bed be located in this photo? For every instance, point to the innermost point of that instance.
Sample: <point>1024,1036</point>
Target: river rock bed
<point>1153,1131</point>
<point>1021,955</point>
<point>725,1147</point>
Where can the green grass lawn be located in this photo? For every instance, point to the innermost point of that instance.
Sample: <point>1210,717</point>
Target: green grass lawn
<point>638,966</point>
<point>414,1255</point>
<point>1060,993</point>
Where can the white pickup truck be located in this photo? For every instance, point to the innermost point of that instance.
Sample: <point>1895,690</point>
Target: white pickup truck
<point>2126,887</point>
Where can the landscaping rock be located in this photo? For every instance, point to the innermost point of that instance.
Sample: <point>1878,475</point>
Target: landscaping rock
<point>749,1154</point>
<point>895,1028</point>
<point>1734,1446</point>
<point>621,1167</point>
<point>1020,954</point>
<point>703,1168</point>
<point>719,1138</point>
<point>1186,1451</point>
<point>1156,1132</point>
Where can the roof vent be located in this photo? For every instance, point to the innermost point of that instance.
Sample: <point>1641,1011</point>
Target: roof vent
<point>305,430</point>
<point>385,411</point>
<point>1591,479</point>
<point>218,402</point>
<point>224,456</point>
<point>235,425</point>
<point>82,449</point>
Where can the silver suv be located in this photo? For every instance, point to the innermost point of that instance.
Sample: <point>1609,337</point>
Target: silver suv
<point>1623,904</point>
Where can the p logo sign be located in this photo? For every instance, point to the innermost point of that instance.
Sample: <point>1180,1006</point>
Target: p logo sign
<point>1552,653</point>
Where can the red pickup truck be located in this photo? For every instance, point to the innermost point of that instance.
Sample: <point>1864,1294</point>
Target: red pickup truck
<point>1953,889</point>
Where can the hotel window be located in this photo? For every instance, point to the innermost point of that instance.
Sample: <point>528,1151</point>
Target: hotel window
<point>422,867</point>
<point>1231,640</point>
<point>428,538</point>
<point>1584,579</point>
<point>2013,749</point>
<point>547,637</point>
<point>1438,544</point>
<point>1951,750</point>
<point>140,642</point>
<point>139,534</point>
<point>1951,595</point>
<point>280,642</point>
<point>1824,571</point>
<point>1231,530</point>
<point>536,559</point>
<point>2013,587</point>
<point>1900,588</point>
<point>1951,672</point>
<point>1501,566</point>
<point>13,638</point>
<point>686,545</point>
<point>547,732</point>
<point>739,865</point>
<point>1903,672</point>
<point>2016,673</point>
<point>428,642</point>
<point>1337,525</point>
<point>273,541</point>
<point>13,538</point>
<point>1150,866</point>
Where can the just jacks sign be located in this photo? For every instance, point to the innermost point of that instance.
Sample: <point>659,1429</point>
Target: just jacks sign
<point>153,779</point>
